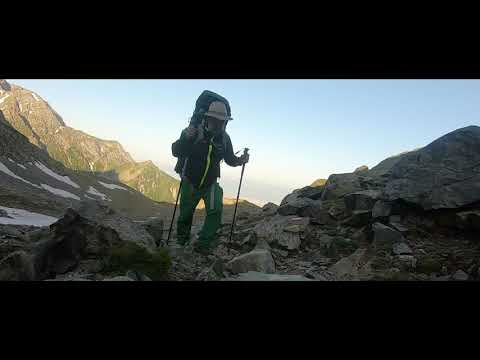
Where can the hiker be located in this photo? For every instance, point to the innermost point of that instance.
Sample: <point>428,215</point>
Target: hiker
<point>201,147</point>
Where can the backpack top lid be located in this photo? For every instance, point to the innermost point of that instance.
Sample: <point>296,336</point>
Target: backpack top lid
<point>203,103</point>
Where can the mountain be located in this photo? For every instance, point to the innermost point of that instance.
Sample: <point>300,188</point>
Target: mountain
<point>33,117</point>
<point>31,180</point>
<point>148,179</point>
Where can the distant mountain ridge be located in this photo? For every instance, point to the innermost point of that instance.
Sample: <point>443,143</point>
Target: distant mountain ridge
<point>33,117</point>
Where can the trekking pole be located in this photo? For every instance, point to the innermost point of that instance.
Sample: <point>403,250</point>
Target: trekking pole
<point>174,210</point>
<point>238,195</point>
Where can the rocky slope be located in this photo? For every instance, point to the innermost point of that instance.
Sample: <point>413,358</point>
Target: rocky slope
<point>31,180</point>
<point>415,216</point>
<point>33,117</point>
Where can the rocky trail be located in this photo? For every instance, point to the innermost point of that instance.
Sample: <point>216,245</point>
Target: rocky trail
<point>413,217</point>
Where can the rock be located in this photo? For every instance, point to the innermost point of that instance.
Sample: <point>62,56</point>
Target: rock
<point>11,231</point>
<point>71,238</point>
<point>361,169</point>
<point>460,275</point>
<point>361,200</point>
<point>269,209</point>
<point>360,235</point>
<point>406,262</point>
<point>444,270</point>
<point>353,267</point>
<point>401,249</point>
<point>314,193</point>
<point>310,274</point>
<point>119,278</point>
<point>443,174</point>
<point>399,227</point>
<point>256,260</point>
<point>259,276</point>
<point>280,252</point>
<point>337,209</point>
<point>17,266</point>
<point>271,229</point>
<point>468,220</point>
<point>339,185</point>
<point>384,236</point>
<point>295,229</point>
<point>155,228</point>
<point>294,207</point>
<point>441,278</point>
<point>381,209</point>
<point>318,215</point>
<point>394,219</point>
<point>137,276</point>
<point>290,243</point>
<point>358,218</point>
<point>126,229</point>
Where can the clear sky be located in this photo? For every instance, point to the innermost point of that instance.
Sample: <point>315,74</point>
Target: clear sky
<point>297,130</point>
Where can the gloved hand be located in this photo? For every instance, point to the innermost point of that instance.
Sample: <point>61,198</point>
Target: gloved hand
<point>190,132</point>
<point>244,158</point>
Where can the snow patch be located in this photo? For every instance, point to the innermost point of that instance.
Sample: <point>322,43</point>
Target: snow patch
<point>7,171</point>
<point>24,217</point>
<point>35,96</point>
<point>2,99</point>
<point>112,186</point>
<point>10,160</point>
<point>20,107</point>
<point>53,174</point>
<point>88,197</point>
<point>60,192</point>
<point>93,191</point>
<point>20,165</point>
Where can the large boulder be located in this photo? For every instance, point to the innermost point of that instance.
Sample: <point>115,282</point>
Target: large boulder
<point>71,239</point>
<point>381,209</point>
<point>127,229</point>
<point>269,209</point>
<point>361,200</point>
<point>443,174</point>
<point>385,237</point>
<point>294,204</point>
<point>256,260</point>
<point>339,185</point>
<point>354,267</point>
<point>314,193</point>
<point>358,218</point>
<point>272,230</point>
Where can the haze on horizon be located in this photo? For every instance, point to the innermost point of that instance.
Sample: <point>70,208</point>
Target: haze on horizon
<point>297,130</point>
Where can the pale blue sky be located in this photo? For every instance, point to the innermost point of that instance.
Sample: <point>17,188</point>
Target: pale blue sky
<point>297,130</point>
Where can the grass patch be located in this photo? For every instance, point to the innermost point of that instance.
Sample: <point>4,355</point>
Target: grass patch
<point>130,256</point>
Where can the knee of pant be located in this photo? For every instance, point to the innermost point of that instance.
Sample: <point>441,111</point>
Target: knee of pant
<point>215,211</point>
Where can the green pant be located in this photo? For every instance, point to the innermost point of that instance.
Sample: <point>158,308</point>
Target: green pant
<point>189,198</point>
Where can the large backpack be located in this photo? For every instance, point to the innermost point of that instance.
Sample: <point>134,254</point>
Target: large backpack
<point>201,107</point>
<point>203,103</point>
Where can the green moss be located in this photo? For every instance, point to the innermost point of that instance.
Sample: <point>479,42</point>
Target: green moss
<point>130,256</point>
<point>429,265</point>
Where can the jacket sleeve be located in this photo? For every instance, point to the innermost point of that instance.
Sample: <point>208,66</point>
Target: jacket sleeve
<point>230,157</point>
<point>182,147</point>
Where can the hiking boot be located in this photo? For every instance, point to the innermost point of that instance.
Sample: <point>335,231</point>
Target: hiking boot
<point>183,242</point>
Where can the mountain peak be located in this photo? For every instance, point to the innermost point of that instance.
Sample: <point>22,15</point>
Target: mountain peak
<point>4,85</point>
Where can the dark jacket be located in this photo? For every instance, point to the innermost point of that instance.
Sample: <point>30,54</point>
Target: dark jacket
<point>198,154</point>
